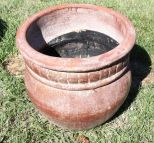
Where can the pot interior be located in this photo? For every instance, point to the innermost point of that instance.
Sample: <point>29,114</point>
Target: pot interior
<point>80,44</point>
<point>75,32</point>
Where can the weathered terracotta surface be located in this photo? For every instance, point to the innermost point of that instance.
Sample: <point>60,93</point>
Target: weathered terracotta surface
<point>76,93</point>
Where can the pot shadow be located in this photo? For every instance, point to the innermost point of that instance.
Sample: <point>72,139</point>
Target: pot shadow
<point>140,64</point>
<point>3,28</point>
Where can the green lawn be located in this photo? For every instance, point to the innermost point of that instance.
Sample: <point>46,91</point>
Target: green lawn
<point>134,122</point>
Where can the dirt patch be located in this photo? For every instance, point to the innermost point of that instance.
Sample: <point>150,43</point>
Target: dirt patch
<point>149,79</point>
<point>82,139</point>
<point>15,65</point>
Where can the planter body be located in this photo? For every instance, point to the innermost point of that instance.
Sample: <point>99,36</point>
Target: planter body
<point>81,109</point>
<point>77,93</point>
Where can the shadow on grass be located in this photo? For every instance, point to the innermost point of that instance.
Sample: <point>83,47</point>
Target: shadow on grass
<point>140,64</point>
<point>3,28</point>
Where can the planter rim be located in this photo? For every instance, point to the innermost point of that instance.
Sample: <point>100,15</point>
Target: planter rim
<point>75,64</point>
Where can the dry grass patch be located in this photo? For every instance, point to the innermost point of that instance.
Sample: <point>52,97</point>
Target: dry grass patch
<point>15,65</point>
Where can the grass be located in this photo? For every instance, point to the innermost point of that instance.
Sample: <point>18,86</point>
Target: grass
<point>134,122</point>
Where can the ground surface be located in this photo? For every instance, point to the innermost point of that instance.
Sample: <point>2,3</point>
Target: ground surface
<point>21,123</point>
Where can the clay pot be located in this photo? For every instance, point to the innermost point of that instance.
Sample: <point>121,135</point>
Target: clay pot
<point>76,93</point>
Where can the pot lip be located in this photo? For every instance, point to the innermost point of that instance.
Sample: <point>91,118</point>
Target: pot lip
<point>75,64</point>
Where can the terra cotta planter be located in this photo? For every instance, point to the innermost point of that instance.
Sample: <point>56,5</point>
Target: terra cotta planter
<point>72,89</point>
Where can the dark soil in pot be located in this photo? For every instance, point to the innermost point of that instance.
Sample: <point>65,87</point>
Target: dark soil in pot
<point>80,44</point>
